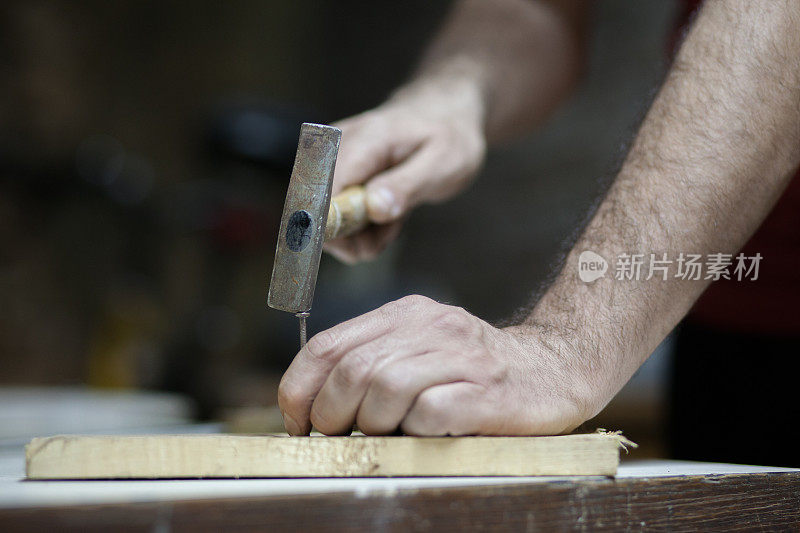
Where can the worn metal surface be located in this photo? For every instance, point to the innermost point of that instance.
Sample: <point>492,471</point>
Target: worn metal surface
<point>305,213</point>
<point>303,328</point>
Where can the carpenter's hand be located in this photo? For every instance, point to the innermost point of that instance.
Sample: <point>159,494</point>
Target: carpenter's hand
<point>432,369</point>
<point>423,145</point>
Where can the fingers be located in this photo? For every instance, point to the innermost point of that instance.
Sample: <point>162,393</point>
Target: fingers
<point>335,407</point>
<point>403,167</point>
<point>369,145</point>
<point>396,190</point>
<point>358,159</point>
<point>394,388</point>
<point>312,365</point>
<point>405,157</point>
<point>433,370</point>
<point>376,384</point>
<point>364,245</point>
<point>393,174</point>
<point>459,408</point>
<point>431,173</point>
<point>424,176</point>
<point>428,368</point>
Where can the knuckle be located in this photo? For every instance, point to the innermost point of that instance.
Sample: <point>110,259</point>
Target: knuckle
<point>413,301</point>
<point>457,321</point>
<point>395,310</point>
<point>371,117</point>
<point>429,407</point>
<point>498,371</point>
<point>351,370</point>
<point>492,374</point>
<point>427,416</point>
<point>388,385</point>
<point>321,345</point>
<point>289,395</point>
<point>356,121</point>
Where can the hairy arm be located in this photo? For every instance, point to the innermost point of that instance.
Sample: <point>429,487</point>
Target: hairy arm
<point>495,69</point>
<point>712,156</point>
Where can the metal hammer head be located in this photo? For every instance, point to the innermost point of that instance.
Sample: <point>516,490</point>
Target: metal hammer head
<point>305,215</point>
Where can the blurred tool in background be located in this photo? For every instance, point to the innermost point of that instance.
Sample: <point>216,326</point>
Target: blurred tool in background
<point>144,157</point>
<point>145,150</point>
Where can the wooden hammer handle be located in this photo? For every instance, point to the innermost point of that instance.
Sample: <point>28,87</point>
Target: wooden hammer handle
<point>347,213</point>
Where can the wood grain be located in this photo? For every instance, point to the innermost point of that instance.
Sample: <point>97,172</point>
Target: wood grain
<point>731,502</point>
<point>347,213</point>
<point>234,456</point>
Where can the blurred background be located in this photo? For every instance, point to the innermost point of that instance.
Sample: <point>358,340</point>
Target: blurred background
<point>145,150</point>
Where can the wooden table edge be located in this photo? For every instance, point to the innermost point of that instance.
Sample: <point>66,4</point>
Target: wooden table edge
<point>766,500</point>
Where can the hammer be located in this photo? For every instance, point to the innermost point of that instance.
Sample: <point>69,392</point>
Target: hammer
<point>310,217</point>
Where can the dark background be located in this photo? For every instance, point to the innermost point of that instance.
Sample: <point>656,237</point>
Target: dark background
<point>145,150</point>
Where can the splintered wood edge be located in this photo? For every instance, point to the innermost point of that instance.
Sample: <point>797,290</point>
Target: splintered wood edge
<point>235,456</point>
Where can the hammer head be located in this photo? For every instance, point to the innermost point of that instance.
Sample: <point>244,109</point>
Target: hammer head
<point>305,215</point>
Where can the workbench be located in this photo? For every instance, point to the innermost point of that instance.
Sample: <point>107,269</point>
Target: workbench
<point>659,494</point>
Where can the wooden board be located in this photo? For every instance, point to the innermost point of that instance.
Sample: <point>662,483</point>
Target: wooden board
<point>229,456</point>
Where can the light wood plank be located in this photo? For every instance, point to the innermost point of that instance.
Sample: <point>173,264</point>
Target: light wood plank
<point>234,456</point>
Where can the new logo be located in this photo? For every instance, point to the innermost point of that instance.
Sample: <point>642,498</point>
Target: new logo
<point>591,266</point>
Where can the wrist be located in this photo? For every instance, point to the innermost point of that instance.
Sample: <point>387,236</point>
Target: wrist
<point>582,380</point>
<point>454,90</point>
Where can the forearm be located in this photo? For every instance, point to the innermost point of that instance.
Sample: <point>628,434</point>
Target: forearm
<point>515,59</point>
<point>713,154</point>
